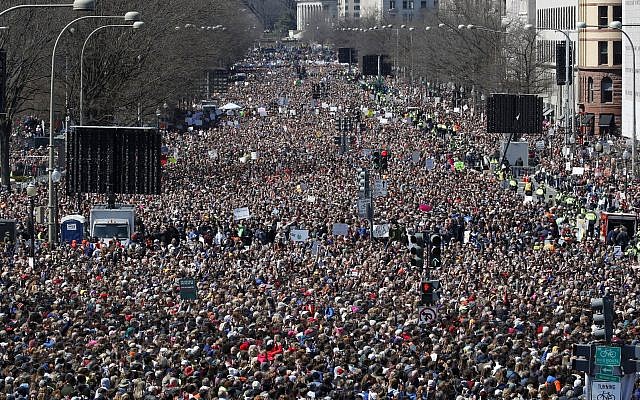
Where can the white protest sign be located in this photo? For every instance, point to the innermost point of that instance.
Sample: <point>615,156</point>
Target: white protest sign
<point>577,171</point>
<point>381,231</point>
<point>299,235</point>
<point>241,213</point>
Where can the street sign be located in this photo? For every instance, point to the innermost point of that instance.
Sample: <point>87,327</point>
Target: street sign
<point>606,370</point>
<point>607,378</point>
<point>427,314</point>
<point>380,188</point>
<point>606,390</point>
<point>188,289</point>
<point>363,208</point>
<point>608,356</point>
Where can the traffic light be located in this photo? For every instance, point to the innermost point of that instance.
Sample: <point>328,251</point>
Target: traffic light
<point>364,189</point>
<point>376,159</point>
<point>429,294</point>
<point>602,308</point>
<point>384,160</point>
<point>416,249</point>
<point>583,358</point>
<point>435,251</point>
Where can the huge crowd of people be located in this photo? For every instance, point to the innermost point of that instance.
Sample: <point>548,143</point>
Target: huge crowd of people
<point>328,316</point>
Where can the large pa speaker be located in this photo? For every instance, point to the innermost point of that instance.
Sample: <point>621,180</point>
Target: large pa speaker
<point>510,113</point>
<point>113,160</point>
<point>219,79</point>
<point>370,64</point>
<point>561,63</point>
<point>7,230</point>
<point>344,55</point>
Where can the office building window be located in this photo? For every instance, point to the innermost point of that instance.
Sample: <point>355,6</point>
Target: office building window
<point>617,13</point>
<point>392,4</point>
<point>603,16</point>
<point>404,5</point>
<point>606,90</point>
<point>590,90</point>
<point>603,53</point>
<point>356,8</point>
<point>617,52</point>
<point>423,4</point>
<point>356,15</point>
<point>410,4</point>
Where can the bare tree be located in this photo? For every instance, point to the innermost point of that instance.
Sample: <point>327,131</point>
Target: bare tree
<point>124,70</point>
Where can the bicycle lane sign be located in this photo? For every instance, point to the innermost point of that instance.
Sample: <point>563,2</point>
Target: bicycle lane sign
<point>608,356</point>
<point>606,390</point>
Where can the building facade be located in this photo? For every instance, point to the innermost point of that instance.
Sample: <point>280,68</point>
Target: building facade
<point>523,11</point>
<point>398,11</point>
<point>310,12</point>
<point>600,67</point>
<point>631,13</point>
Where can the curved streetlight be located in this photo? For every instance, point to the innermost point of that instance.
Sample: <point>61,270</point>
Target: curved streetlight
<point>617,25</point>
<point>569,122</point>
<point>135,25</point>
<point>130,16</point>
<point>77,5</point>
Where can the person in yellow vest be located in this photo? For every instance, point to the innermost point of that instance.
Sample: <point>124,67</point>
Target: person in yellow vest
<point>513,184</point>
<point>540,191</point>
<point>493,164</point>
<point>528,188</point>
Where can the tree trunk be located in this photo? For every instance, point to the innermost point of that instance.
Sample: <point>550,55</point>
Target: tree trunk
<point>5,134</point>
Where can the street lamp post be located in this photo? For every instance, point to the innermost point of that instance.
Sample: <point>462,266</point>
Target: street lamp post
<point>32,192</point>
<point>77,5</point>
<point>617,25</point>
<point>56,176</point>
<point>569,120</point>
<point>130,16</point>
<point>135,25</point>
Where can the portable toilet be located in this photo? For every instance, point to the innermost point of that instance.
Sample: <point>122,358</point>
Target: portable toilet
<point>72,228</point>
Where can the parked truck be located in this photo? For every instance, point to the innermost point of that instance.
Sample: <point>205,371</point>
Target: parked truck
<point>107,222</point>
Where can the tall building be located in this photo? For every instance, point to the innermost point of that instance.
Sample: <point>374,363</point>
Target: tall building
<point>631,12</point>
<point>400,11</point>
<point>523,11</point>
<point>313,11</point>
<point>600,66</point>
